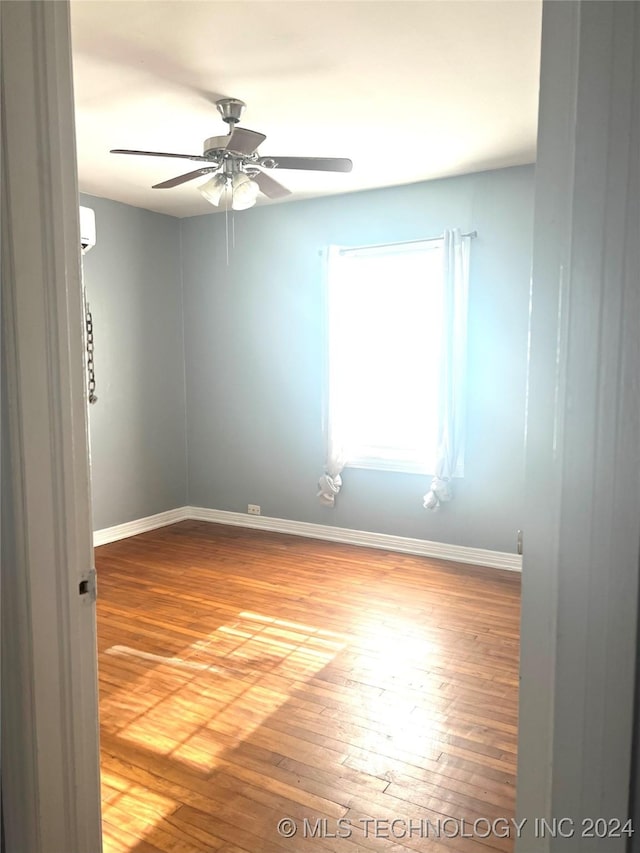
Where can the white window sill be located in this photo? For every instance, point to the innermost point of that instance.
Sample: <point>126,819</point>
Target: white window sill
<point>395,465</point>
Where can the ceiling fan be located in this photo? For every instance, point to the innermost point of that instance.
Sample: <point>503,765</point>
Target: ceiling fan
<point>236,166</point>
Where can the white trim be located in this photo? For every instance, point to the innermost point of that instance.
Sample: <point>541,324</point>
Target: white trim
<point>385,541</point>
<point>139,525</point>
<point>50,761</point>
<point>582,504</point>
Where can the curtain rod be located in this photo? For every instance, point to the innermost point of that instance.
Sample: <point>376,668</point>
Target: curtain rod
<point>470,234</point>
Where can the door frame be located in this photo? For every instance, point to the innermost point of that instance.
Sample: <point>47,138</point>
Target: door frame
<point>582,518</point>
<point>50,759</point>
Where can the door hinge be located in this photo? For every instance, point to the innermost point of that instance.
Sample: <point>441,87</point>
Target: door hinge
<point>519,542</point>
<point>88,586</point>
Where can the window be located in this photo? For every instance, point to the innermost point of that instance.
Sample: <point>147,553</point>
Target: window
<point>385,315</point>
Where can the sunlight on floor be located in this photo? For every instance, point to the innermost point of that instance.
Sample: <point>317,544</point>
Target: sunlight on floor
<point>245,670</point>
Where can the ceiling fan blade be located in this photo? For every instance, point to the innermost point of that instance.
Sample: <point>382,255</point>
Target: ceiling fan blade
<point>318,164</point>
<point>270,187</point>
<point>158,154</point>
<point>243,141</point>
<point>182,179</point>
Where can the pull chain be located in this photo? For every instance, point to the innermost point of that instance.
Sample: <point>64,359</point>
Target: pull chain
<point>91,371</point>
<point>226,220</point>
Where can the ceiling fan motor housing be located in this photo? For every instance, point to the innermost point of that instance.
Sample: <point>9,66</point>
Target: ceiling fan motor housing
<point>215,144</point>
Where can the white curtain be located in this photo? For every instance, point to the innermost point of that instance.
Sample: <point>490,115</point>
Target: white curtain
<point>330,482</point>
<point>451,410</point>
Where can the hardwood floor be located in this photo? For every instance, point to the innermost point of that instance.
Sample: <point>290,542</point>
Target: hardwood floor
<point>249,677</point>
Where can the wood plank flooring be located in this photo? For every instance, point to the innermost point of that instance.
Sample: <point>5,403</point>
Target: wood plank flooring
<point>249,677</point>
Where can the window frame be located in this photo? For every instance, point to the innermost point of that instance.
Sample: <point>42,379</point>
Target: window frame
<point>374,461</point>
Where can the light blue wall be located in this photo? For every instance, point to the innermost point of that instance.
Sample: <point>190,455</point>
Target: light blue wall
<point>254,356</point>
<point>133,282</point>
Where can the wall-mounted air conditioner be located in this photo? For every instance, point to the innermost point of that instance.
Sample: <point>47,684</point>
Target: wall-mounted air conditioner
<point>87,229</point>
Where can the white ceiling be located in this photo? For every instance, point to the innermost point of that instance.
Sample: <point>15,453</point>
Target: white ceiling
<point>408,90</point>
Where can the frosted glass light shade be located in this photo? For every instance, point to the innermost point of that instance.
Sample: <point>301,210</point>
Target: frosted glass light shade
<point>212,190</point>
<point>243,192</point>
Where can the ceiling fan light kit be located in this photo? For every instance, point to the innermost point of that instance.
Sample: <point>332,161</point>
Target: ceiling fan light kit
<point>236,187</point>
<point>233,166</point>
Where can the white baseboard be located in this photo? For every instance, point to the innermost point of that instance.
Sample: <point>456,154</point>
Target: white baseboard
<point>384,541</point>
<point>140,525</point>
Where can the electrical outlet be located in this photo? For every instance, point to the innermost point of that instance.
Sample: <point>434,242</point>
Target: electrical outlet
<point>253,509</point>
